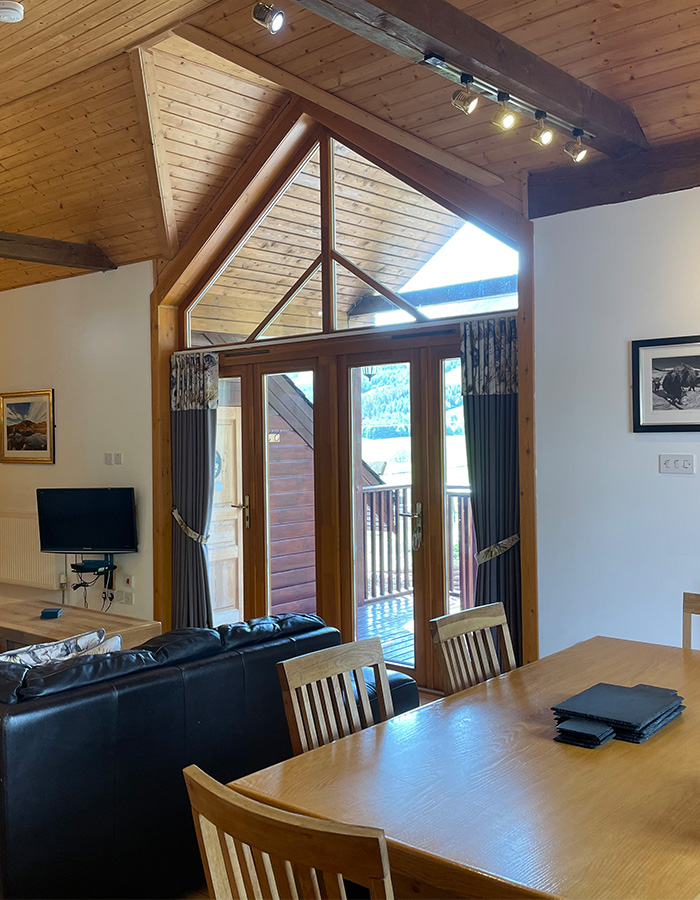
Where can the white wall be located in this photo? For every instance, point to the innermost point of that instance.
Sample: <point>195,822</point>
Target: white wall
<point>618,542</point>
<point>88,338</point>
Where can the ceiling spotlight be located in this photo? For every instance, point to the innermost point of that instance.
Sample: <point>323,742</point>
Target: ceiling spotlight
<point>504,117</point>
<point>541,134</point>
<point>266,15</point>
<point>11,11</point>
<point>464,98</point>
<point>575,149</point>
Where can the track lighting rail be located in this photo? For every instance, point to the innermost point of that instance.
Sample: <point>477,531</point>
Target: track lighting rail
<point>491,92</point>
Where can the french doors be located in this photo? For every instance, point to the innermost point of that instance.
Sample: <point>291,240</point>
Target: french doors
<point>354,497</point>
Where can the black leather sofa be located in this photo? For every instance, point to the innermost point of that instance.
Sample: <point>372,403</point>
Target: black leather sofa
<point>92,799</point>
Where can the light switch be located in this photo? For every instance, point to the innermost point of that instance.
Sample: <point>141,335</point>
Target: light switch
<point>677,463</point>
<point>109,458</point>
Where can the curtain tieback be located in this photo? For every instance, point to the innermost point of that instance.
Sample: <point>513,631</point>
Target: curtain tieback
<point>190,532</point>
<point>496,549</point>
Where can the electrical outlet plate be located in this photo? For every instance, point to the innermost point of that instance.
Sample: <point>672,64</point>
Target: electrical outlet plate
<point>109,459</point>
<point>677,463</point>
<point>129,597</point>
<point>118,457</point>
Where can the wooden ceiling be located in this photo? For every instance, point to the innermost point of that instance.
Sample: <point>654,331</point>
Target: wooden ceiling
<point>73,163</point>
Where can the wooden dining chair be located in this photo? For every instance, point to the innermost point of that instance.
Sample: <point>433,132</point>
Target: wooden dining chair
<point>325,693</point>
<point>691,607</point>
<point>465,648</point>
<point>252,851</point>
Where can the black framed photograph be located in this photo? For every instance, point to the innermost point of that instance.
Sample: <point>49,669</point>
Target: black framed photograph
<point>666,384</point>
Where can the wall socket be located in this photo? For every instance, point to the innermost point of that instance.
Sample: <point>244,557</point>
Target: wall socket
<point>677,463</point>
<point>113,458</point>
<point>125,597</point>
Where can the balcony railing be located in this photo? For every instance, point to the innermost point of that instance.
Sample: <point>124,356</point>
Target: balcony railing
<point>388,562</point>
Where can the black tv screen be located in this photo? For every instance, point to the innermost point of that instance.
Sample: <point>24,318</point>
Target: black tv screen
<point>87,520</point>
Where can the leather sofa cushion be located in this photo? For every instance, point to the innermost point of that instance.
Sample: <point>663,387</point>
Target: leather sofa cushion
<point>404,692</point>
<point>73,673</point>
<point>11,678</point>
<point>184,644</point>
<point>267,628</point>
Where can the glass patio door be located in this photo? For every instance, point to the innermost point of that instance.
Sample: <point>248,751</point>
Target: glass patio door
<point>351,494</point>
<point>386,521</point>
<point>383,534</point>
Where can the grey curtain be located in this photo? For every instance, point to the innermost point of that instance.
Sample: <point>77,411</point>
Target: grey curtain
<point>490,393</point>
<point>194,385</point>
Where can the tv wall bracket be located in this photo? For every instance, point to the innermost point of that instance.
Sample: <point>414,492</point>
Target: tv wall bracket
<point>104,566</point>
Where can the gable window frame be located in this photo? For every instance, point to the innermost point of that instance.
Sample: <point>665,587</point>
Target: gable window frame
<point>281,152</point>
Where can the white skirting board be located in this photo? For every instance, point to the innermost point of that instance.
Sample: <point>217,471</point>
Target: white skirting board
<point>21,561</point>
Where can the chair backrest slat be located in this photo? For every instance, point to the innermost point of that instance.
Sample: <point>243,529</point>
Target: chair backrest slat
<point>252,851</point>
<point>325,693</point>
<point>691,607</point>
<point>465,647</point>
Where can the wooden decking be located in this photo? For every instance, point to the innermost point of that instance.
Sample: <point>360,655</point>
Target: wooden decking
<point>391,620</point>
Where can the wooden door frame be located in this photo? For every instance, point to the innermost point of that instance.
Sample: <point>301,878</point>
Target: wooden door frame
<point>270,167</point>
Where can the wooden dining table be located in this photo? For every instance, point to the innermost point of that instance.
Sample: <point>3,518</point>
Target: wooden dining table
<point>478,801</point>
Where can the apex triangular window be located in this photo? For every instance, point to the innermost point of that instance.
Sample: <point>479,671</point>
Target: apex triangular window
<point>395,255</point>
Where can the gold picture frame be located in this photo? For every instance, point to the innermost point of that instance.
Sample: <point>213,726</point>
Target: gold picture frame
<point>27,427</point>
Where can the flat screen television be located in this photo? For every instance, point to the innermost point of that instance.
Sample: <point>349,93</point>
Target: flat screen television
<point>87,520</point>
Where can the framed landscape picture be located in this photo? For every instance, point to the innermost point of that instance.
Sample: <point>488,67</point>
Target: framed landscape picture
<point>666,384</point>
<point>27,426</point>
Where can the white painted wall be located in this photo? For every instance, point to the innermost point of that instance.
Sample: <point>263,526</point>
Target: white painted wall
<point>88,338</point>
<point>618,542</point>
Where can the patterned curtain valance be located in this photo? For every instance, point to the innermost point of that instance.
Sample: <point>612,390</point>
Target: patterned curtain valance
<point>490,356</point>
<point>194,381</point>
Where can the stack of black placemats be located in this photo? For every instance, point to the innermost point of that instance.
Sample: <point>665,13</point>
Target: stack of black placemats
<point>604,711</point>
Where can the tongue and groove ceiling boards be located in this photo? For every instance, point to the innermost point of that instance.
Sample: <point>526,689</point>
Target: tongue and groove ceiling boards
<point>129,152</point>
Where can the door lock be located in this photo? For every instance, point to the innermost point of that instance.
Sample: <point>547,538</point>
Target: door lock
<point>245,506</point>
<point>417,519</point>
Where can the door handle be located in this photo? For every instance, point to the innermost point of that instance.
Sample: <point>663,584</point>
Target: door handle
<point>417,518</point>
<point>245,506</point>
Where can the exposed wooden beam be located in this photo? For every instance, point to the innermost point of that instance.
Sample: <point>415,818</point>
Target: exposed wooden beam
<point>285,141</point>
<point>148,107</point>
<point>323,98</point>
<point>661,170</point>
<point>419,27</point>
<point>29,248</point>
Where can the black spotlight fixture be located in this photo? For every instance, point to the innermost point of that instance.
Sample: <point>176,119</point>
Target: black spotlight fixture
<point>541,133</point>
<point>575,148</point>
<point>464,98</point>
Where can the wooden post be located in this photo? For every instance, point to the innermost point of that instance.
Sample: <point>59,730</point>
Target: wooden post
<point>165,339</point>
<point>526,437</point>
